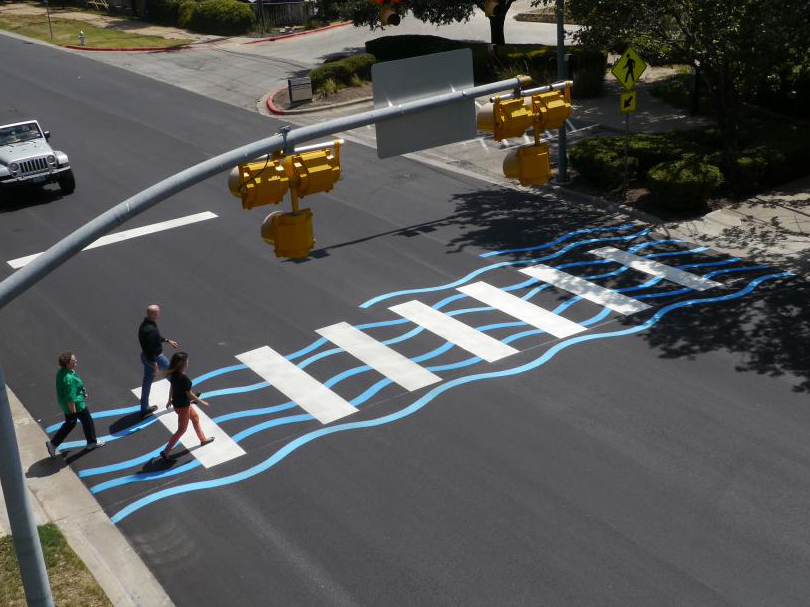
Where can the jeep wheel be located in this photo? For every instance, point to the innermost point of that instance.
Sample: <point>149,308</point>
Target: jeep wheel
<point>67,183</point>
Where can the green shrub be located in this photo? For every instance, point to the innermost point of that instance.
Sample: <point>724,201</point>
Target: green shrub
<point>222,17</point>
<point>653,148</point>
<point>600,161</point>
<point>343,70</point>
<point>185,12</point>
<point>162,11</point>
<point>742,172</point>
<point>685,184</point>
<point>588,73</point>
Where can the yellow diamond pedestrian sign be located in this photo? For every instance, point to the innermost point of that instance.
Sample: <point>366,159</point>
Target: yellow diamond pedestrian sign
<point>627,101</point>
<point>628,68</point>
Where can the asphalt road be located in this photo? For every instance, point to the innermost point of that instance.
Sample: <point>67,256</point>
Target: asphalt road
<point>655,459</point>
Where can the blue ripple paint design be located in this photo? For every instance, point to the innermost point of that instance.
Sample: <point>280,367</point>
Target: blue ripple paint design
<point>425,399</point>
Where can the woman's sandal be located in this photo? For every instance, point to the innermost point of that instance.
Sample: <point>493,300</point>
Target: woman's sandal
<point>210,439</point>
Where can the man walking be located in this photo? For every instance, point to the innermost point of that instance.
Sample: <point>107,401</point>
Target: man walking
<point>151,354</point>
<point>70,393</point>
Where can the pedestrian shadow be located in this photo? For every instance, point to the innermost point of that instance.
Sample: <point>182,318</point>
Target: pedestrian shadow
<point>126,422</point>
<point>45,467</point>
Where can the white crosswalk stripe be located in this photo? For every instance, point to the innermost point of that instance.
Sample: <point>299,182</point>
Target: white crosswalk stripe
<point>586,289</point>
<point>522,310</point>
<point>654,268</point>
<point>455,331</point>
<point>223,449</point>
<point>378,356</point>
<point>298,385</point>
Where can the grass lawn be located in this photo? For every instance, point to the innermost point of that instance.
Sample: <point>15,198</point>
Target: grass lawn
<point>66,31</point>
<point>71,583</point>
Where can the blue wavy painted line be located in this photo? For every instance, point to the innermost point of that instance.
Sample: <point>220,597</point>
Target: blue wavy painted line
<point>422,401</point>
<point>560,239</point>
<point>502,264</point>
<point>421,358</point>
<point>427,356</point>
<point>357,402</point>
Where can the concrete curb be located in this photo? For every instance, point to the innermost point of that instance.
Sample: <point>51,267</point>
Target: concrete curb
<point>59,496</point>
<point>129,49</point>
<point>280,112</point>
<point>303,33</point>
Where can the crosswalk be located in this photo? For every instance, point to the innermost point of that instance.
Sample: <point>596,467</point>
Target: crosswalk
<point>326,406</point>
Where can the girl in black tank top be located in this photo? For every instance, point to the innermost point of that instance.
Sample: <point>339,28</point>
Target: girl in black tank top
<point>181,397</point>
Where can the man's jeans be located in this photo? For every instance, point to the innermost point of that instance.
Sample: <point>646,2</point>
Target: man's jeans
<point>149,377</point>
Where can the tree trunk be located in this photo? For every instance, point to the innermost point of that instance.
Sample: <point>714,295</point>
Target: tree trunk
<point>496,23</point>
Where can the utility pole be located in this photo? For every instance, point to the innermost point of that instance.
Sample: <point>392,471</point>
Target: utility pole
<point>20,516</point>
<point>562,162</point>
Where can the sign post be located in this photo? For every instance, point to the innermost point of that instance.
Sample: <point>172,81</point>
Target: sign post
<point>627,69</point>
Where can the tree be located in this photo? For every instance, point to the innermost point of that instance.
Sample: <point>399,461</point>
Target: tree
<point>736,44</point>
<point>367,12</point>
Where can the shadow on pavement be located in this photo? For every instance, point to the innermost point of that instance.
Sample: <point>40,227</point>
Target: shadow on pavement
<point>46,467</point>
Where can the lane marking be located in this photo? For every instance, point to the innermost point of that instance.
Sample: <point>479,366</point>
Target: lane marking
<point>126,235</point>
<point>297,385</point>
<point>378,356</point>
<point>522,310</point>
<point>223,449</point>
<point>654,268</point>
<point>586,289</point>
<point>455,331</point>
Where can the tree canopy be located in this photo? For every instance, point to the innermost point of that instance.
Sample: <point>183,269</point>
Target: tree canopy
<point>737,44</point>
<point>365,12</point>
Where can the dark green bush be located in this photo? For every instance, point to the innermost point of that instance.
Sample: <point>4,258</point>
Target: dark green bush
<point>588,73</point>
<point>653,148</point>
<point>162,11</point>
<point>743,172</point>
<point>600,161</point>
<point>685,184</point>
<point>342,69</point>
<point>185,11</point>
<point>222,17</point>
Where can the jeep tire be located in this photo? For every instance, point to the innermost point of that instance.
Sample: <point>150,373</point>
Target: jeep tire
<point>67,183</point>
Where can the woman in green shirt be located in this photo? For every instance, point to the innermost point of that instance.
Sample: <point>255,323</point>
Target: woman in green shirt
<point>70,394</point>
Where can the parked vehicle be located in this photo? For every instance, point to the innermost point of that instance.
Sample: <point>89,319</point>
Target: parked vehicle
<point>26,158</point>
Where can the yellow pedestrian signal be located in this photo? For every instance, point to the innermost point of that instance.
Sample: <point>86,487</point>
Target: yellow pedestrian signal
<point>308,170</point>
<point>510,118</point>
<point>490,6</point>
<point>259,182</point>
<point>290,233</point>
<point>313,171</point>
<point>389,16</point>
<point>528,164</point>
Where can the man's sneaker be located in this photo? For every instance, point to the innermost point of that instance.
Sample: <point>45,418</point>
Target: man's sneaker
<point>149,411</point>
<point>95,445</point>
<point>51,449</point>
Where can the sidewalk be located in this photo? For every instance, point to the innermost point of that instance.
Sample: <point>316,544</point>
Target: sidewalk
<point>58,496</point>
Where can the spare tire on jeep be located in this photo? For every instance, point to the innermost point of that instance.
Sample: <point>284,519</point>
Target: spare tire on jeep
<point>67,182</point>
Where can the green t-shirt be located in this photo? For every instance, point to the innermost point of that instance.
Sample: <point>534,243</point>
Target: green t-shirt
<point>69,388</point>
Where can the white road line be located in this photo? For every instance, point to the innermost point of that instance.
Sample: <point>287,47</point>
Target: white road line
<point>297,385</point>
<point>522,310</point>
<point>483,145</point>
<point>656,269</point>
<point>378,356</point>
<point>126,235</point>
<point>586,289</point>
<point>223,449</point>
<point>455,331</point>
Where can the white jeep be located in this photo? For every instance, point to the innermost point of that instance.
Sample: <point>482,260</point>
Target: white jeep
<point>26,158</point>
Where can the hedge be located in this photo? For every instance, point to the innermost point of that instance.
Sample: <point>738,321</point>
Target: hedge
<point>587,67</point>
<point>683,184</point>
<point>163,12</point>
<point>600,161</point>
<point>341,70</point>
<point>222,17</point>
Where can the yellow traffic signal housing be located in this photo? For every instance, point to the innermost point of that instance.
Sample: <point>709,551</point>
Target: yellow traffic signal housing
<point>490,6</point>
<point>259,182</point>
<point>290,233</point>
<point>553,108</point>
<point>528,164</point>
<point>313,171</point>
<point>389,16</point>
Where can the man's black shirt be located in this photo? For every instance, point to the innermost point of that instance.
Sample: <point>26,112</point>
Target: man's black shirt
<point>150,339</point>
